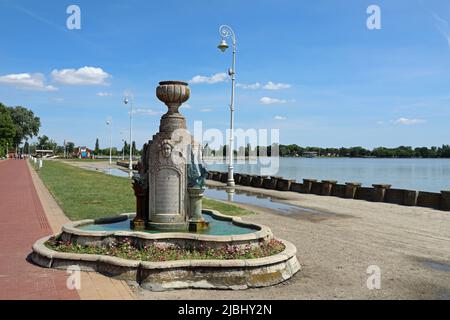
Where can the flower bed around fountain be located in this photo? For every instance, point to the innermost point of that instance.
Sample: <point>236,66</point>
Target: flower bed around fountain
<point>190,260</point>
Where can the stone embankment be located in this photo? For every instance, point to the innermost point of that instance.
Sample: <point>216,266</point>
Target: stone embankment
<point>349,190</point>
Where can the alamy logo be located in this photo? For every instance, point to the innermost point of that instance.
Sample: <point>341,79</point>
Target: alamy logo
<point>73,282</point>
<point>374,20</point>
<point>374,279</point>
<point>74,20</point>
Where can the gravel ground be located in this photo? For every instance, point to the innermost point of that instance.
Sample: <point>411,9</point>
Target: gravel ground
<point>410,245</point>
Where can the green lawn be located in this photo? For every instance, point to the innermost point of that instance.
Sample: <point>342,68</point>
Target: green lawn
<point>85,194</point>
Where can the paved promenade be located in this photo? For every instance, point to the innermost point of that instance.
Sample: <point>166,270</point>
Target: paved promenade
<point>23,221</point>
<point>94,286</point>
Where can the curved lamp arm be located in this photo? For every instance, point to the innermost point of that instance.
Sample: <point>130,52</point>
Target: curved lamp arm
<point>226,32</point>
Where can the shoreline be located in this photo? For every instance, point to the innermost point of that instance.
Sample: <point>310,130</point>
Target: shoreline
<point>382,193</point>
<point>429,175</point>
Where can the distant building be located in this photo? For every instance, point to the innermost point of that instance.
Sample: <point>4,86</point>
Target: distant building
<point>310,154</point>
<point>83,153</point>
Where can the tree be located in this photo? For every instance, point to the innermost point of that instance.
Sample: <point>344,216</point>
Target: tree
<point>97,147</point>
<point>59,150</point>
<point>26,124</point>
<point>125,148</point>
<point>133,147</point>
<point>7,129</point>
<point>248,150</point>
<point>33,148</point>
<point>70,147</point>
<point>45,143</point>
<point>26,148</point>
<point>444,152</point>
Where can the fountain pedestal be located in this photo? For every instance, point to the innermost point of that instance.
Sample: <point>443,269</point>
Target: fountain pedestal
<point>167,163</point>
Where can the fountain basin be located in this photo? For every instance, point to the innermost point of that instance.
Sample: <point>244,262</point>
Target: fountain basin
<point>88,233</point>
<point>179,274</point>
<point>176,274</point>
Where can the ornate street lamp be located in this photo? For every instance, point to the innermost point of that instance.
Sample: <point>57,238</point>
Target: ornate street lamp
<point>226,32</point>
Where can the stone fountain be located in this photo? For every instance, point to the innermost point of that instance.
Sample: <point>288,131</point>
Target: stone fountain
<point>170,183</point>
<point>169,188</point>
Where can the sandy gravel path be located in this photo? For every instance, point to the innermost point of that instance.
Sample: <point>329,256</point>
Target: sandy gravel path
<point>410,245</point>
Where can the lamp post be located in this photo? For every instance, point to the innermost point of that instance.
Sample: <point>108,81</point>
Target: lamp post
<point>108,123</point>
<point>226,32</point>
<point>123,149</point>
<point>127,100</point>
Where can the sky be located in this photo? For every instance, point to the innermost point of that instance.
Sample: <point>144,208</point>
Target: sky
<point>312,69</point>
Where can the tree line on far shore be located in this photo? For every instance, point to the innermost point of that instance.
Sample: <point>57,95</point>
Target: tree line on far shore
<point>294,150</point>
<point>358,152</point>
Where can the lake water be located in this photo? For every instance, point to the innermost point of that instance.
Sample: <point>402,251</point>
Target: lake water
<point>415,174</point>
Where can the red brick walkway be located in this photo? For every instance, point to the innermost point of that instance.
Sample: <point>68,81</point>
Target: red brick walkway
<point>22,222</point>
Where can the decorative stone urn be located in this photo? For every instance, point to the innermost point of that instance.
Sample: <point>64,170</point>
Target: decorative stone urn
<point>173,94</point>
<point>167,165</point>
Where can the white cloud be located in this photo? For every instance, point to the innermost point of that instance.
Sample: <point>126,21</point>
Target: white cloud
<point>104,94</point>
<point>81,76</point>
<point>276,86</point>
<point>253,86</point>
<point>206,110</point>
<point>267,100</point>
<point>268,86</point>
<point>279,118</point>
<point>408,122</point>
<point>186,106</point>
<point>26,81</point>
<point>147,112</point>
<point>443,27</point>
<point>218,77</point>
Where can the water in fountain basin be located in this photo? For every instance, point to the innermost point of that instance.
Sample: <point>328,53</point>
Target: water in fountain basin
<point>216,227</point>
